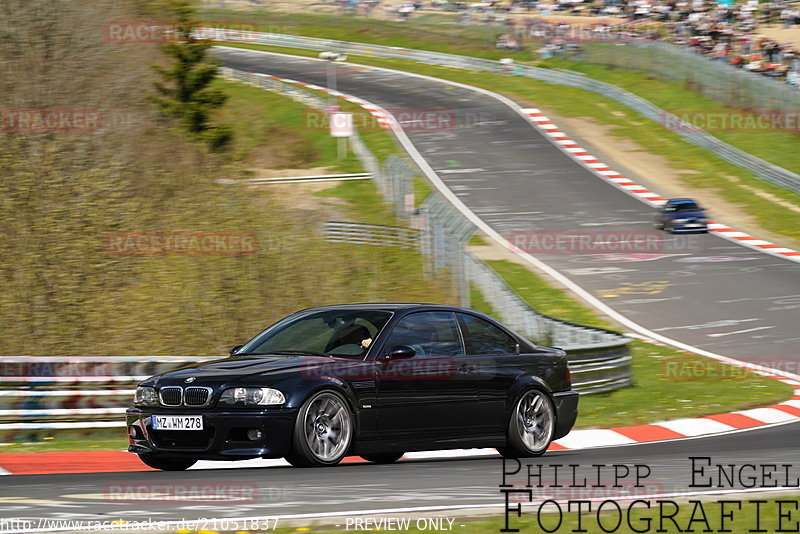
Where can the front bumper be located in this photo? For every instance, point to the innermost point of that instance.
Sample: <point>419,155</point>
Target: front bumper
<point>566,404</point>
<point>688,227</point>
<point>224,434</point>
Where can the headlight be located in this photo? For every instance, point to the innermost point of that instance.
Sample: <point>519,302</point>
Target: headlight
<point>680,220</point>
<point>251,397</point>
<point>145,396</point>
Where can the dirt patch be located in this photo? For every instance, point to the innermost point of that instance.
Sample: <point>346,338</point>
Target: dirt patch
<point>299,196</point>
<point>776,32</point>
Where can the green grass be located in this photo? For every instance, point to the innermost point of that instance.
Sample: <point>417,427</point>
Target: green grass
<point>478,302</point>
<point>435,33</point>
<point>708,171</point>
<point>362,202</point>
<point>422,188</point>
<point>361,198</point>
<point>544,297</point>
<point>477,241</point>
<point>667,383</point>
<point>60,442</point>
<point>282,131</point>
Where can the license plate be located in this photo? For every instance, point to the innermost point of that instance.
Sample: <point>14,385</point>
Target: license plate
<point>178,422</point>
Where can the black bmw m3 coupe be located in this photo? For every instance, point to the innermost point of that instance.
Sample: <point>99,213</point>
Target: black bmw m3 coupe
<point>373,380</point>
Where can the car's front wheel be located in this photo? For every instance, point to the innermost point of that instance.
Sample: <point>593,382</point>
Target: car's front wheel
<point>531,426</point>
<point>166,464</point>
<point>323,431</point>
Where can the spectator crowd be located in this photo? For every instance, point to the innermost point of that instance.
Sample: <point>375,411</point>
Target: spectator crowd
<point>719,31</point>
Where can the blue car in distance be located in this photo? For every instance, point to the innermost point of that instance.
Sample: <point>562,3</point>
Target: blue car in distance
<point>682,215</point>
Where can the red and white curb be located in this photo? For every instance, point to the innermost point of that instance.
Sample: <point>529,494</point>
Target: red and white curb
<point>600,169</point>
<point>382,117</point>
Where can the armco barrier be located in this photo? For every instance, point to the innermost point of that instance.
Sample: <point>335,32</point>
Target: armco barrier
<point>759,167</point>
<point>54,393</point>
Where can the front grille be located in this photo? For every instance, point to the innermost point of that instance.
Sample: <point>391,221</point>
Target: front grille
<point>171,396</point>
<point>196,396</point>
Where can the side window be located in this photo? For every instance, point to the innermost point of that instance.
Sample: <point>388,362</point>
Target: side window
<point>483,337</point>
<point>431,334</point>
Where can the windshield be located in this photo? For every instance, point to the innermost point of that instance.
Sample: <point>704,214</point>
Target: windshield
<point>334,332</point>
<point>686,206</point>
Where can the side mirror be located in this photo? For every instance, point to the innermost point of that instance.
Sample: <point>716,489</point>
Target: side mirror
<point>400,352</point>
<point>235,349</point>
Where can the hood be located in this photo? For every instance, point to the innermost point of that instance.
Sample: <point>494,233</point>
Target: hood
<point>695,214</point>
<point>258,370</point>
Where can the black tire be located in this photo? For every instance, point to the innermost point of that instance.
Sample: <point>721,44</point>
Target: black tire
<point>383,458</point>
<point>324,420</point>
<point>166,464</point>
<point>531,426</point>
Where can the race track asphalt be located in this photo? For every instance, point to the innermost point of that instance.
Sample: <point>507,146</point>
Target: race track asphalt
<point>454,483</point>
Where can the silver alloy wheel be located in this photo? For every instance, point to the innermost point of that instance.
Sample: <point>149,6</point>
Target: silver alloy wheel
<point>327,426</point>
<point>535,420</point>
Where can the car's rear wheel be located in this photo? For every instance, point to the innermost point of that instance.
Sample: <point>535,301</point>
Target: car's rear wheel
<point>323,431</point>
<point>166,464</point>
<point>385,458</point>
<point>531,426</point>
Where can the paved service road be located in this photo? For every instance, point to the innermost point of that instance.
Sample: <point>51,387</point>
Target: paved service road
<point>698,289</point>
<point>408,484</point>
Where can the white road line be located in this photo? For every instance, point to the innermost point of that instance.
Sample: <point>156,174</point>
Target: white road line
<point>740,331</point>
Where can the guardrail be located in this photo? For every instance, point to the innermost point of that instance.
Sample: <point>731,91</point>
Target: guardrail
<point>68,393</point>
<point>759,167</point>
<point>29,409</point>
<point>370,234</point>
